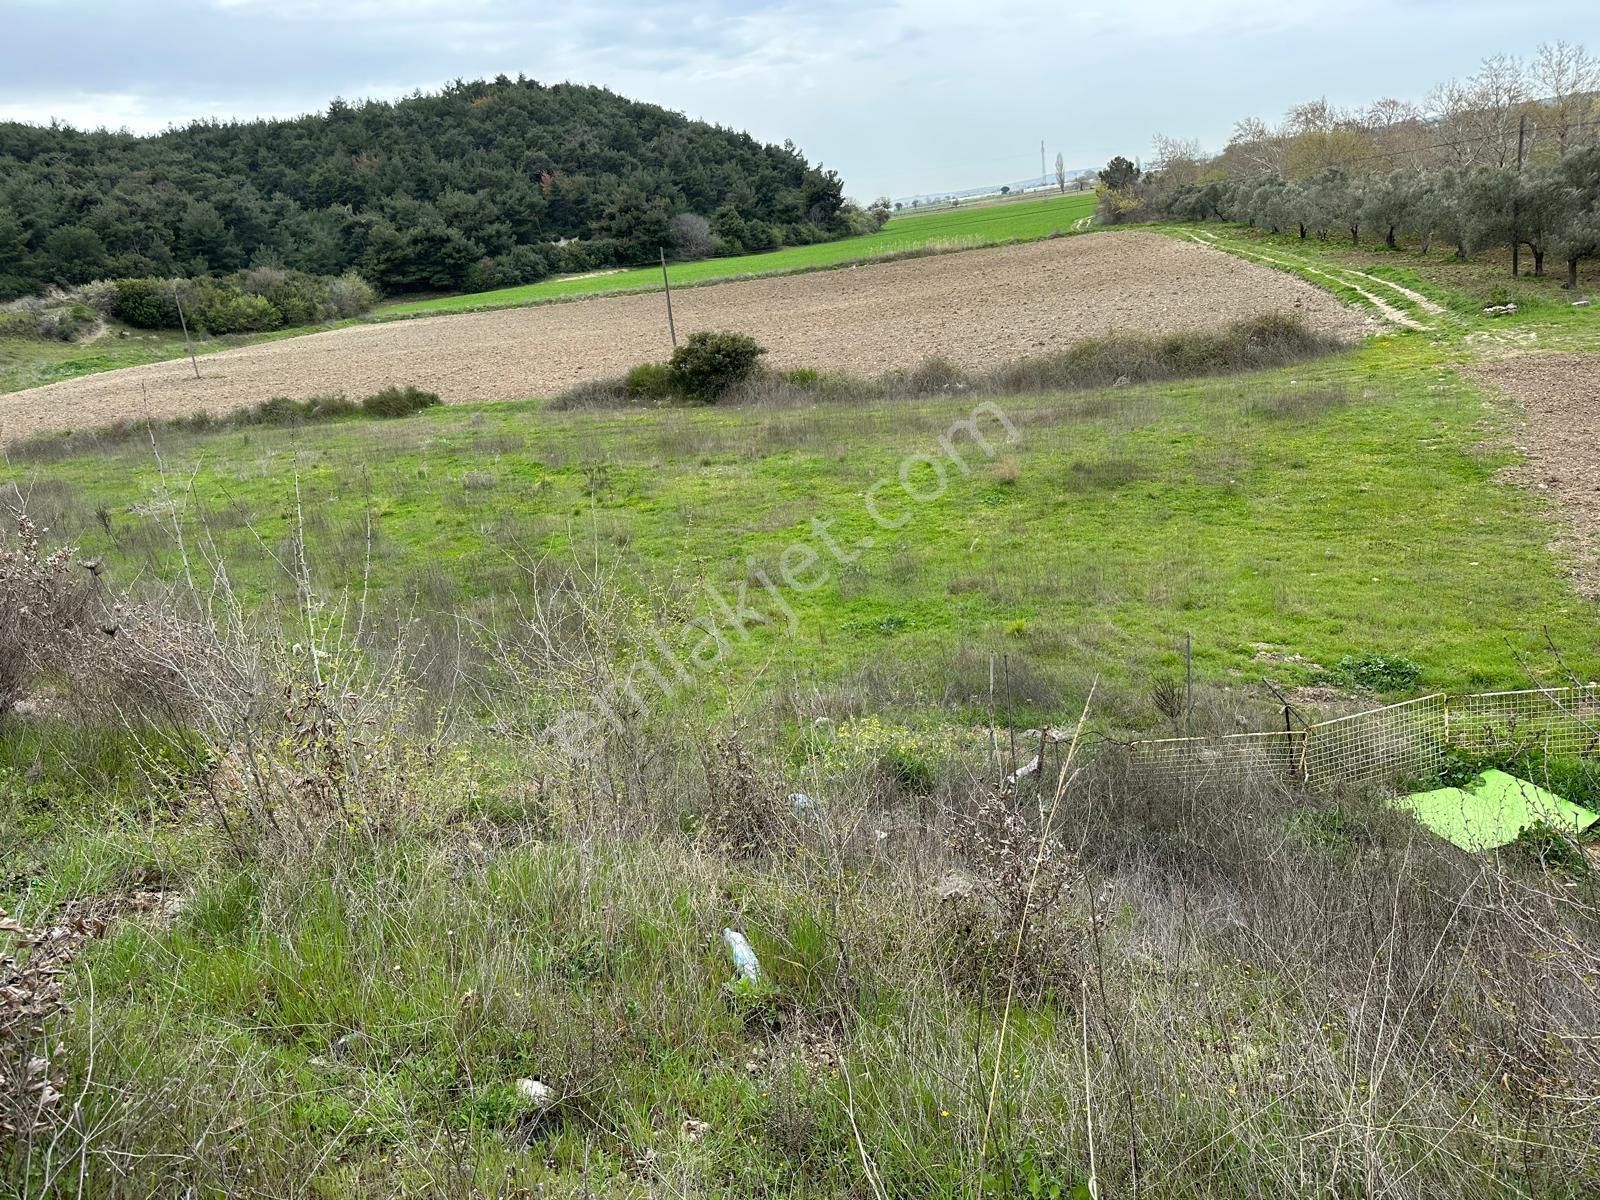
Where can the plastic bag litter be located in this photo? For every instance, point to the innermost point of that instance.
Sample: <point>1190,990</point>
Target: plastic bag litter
<point>744,958</point>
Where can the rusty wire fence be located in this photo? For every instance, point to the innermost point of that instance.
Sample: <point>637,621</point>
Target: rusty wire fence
<point>1394,744</point>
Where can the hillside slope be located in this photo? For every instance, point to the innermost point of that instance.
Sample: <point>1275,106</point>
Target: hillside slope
<point>416,194</point>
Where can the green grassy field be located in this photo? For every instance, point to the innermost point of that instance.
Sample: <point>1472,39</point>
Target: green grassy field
<point>28,362</point>
<point>347,916</point>
<point>1241,511</point>
<point>964,228</point>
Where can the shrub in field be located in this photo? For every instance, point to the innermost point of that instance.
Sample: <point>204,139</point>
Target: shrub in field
<point>237,312</point>
<point>350,295</point>
<point>1375,672</point>
<point>742,814</point>
<point>610,392</point>
<point>66,323</point>
<point>709,363</point>
<point>280,410</point>
<point>52,319</point>
<point>650,381</point>
<point>45,604</point>
<point>398,401</point>
<point>146,304</point>
<point>935,375</point>
<point>1007,922</point>
<point>18,325</point>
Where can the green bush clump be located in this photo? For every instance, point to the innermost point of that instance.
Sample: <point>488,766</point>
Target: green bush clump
<point>146,304</point>
<point>237,312</point>
<point>650,381</point>
<point>18,325</point>
<point>37,321</point>
<point>710,363</point>
<point>1375,672</point>
<point>251,301</point>
<point>396,401</point>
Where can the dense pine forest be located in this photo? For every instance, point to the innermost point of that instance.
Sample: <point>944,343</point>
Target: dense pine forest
<point>486,184</point>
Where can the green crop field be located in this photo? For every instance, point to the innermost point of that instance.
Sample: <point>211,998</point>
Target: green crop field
<point>963,228</point>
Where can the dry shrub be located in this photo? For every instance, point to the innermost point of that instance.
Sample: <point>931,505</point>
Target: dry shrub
<point>313,761</point>
<point>1009,922</point>
<point>45,608</point>
<point>301,750</point>
<point>59,632</point>
<point>742,815</point>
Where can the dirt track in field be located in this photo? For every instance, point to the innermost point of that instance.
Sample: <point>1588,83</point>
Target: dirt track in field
<point>1560,393</point>
<point>976,308</point>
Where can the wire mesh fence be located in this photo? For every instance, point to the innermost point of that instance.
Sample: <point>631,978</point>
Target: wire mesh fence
<point>1394,744</point>
<point>1402,741</point>
<point>1562,721</point>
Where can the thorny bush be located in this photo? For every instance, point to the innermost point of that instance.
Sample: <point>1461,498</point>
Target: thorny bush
<point>1009,921</point>
<point>742,816</point>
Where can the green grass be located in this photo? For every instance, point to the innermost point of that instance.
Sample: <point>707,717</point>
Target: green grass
<point>961,228</point>
<point>1247,990</point>
<point>28,362</point>
<point>1301,508</point>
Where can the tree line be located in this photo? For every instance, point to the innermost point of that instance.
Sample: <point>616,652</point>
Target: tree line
<point>1507,157</point>
<point>485,184</point>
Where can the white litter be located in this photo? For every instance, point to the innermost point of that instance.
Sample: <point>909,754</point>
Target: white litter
<point>744,958</point>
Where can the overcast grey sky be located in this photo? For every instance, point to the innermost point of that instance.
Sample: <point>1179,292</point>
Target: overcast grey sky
<point>899,97</point>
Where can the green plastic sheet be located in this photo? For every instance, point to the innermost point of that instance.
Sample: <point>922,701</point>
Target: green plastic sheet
<point>1493,810</point>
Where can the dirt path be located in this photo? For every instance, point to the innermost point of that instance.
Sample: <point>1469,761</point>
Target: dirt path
<point>1344,277</point>
<point>977,308</point>
<point>1561,438</point>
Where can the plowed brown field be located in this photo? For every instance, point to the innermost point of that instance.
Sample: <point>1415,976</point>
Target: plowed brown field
<point>976,308</point>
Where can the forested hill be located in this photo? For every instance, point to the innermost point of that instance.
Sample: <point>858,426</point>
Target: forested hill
<point>471,187</point>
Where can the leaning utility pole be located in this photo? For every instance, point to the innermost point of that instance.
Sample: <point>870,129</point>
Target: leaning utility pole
<point>187,344</point>
<point>1043,178</point>
<point>667,283</point>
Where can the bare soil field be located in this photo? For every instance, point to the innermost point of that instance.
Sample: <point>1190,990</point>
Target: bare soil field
<point>1560,393</point>
<point>976,308</point>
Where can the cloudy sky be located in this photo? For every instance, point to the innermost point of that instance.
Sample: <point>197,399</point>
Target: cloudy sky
<point>900,96</point>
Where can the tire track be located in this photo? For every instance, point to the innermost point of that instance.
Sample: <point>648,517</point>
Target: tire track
<point>1343,276</point>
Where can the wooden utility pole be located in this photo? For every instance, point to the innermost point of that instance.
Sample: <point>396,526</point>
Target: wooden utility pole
<point>667,283</point>
<point>1516,198</point>
<point>187,344</point>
